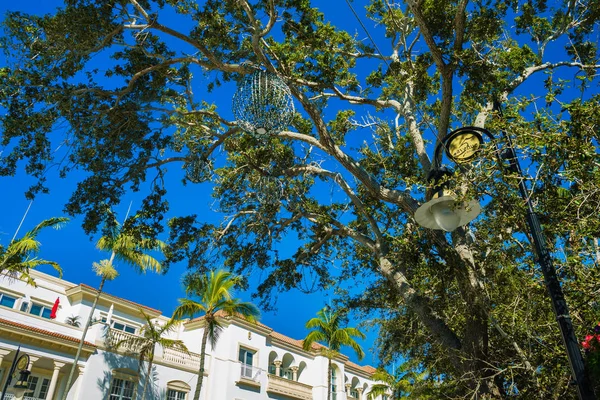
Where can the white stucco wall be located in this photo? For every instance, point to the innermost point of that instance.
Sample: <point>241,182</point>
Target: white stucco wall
<point>223,369</point>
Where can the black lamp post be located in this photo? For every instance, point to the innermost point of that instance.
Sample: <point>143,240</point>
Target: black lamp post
<point>462,145</point>
<point>19,363</point>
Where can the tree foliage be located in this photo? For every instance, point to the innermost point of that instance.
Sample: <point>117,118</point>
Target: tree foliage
<point>18,258</point>
<point>127,87</point>
<point>328,330</point>
<point>406,382</point>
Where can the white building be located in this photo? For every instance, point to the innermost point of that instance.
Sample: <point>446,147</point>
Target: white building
<point>249,362</point>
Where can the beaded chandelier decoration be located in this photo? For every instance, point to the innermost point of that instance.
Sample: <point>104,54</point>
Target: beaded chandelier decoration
<point>197,170</point>
<point>263,104</point>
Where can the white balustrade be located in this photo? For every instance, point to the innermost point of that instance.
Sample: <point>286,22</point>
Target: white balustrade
<point>115,336</point>
<point>11,396</point>
<point>187,360</point>
<point>288,388</point>
<point>250,372</point>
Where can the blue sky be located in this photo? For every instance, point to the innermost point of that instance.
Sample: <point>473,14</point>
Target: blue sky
<point>76,252</point>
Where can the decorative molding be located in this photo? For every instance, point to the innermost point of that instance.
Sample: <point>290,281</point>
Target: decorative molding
<point>84,292</point>
<point>41,338</point>
<point>12,293</point>
<point>52,279</point>
<point>179,385</point>
<point>247,382</point>
<point>289,388</point>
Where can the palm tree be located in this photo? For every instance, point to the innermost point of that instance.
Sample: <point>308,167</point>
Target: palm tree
<point>18,258</point>
<point>124,246</point>
<point>326,328</point>
<point>215,294</point>
<point>404,383</point>
<point>73,320</point>
<point>144,345</point>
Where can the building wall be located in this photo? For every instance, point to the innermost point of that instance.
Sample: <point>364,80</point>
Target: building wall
<point>225,377</point>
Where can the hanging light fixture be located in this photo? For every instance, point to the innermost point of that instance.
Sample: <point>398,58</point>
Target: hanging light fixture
<point>442,211</point>
<point>263,104</point>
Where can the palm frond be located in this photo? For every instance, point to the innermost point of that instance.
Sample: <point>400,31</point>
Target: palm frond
<point>105,269</point>
<point>188,308</point>
<point>214,331</point>
<point>313,337</point>
<point>25,245</point>
<point>378,389</point>
<point>214,291</point>
<point>326,328</point>
<point>243,309</point>
<point>54,222</point>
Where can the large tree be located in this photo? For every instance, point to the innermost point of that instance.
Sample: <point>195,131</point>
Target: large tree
<point>211,296</point>
<point>127,88</point>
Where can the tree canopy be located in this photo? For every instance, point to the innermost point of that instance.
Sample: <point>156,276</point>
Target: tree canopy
<point>128,88</point>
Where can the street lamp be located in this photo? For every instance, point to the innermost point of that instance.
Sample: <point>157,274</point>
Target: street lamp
<point>19,363</point>
<point>463,145</point>
<point>22,385</point>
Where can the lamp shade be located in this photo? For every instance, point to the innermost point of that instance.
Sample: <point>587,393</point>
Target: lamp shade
<point>23,383</point>
<point>443,213</point>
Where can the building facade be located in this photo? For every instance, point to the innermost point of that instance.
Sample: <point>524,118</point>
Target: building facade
<point>249,362</point>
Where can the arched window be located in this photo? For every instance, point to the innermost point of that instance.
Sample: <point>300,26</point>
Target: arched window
<point>177,390</point>
<point>123,384</point>
<point>354,388</point>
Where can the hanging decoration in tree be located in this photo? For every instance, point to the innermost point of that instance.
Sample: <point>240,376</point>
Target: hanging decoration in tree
<point>197,169</point>
<point>263,104</point>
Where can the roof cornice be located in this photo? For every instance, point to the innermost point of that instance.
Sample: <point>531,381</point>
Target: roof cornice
<point>47,338</point>
<point>81,291</point>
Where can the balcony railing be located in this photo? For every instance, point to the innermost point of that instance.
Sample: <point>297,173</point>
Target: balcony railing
<point>286,373</point>
<point>249,373</point>
<point>289,388</point>
<point>114,337</point>
<point>177,358</point>
<point>185,360</point>
<point>11,396</point>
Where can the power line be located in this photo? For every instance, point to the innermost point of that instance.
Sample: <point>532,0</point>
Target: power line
<point>367,32</point>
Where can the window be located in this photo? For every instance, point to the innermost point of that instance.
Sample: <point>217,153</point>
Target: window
<point>44,389</point>
<point>175,395</point>
<point>40,310</point>
<point>121,389</point>
<point>286,373</point>
<point>121,326</point>
<point>177,390</point>
<point>333,384</point>
<point>246,358</point>
<point>7,301</point>
<point>354,393</point>
<point>32,383</point>
<point>38,387</point>
<point>123,384</point>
